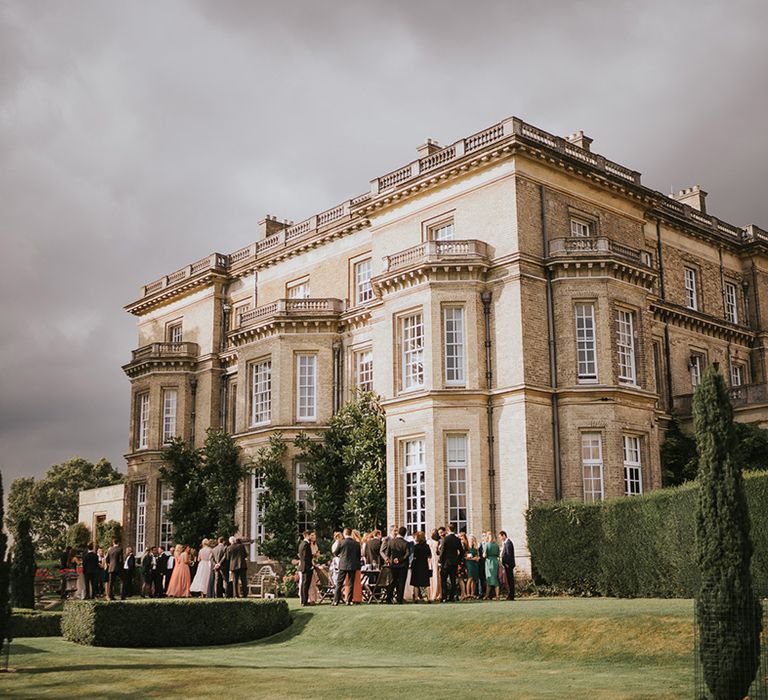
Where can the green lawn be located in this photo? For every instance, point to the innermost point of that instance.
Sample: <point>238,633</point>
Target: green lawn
<point>532,648</point>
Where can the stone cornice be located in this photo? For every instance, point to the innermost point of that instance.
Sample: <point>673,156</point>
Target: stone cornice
<point>702,323</point>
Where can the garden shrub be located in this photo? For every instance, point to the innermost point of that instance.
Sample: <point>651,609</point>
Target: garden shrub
<point>35,623</point>
<point>634,547</point>
<point>172,622</point>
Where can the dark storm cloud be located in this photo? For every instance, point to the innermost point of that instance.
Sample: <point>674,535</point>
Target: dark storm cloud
<point>137,137</point>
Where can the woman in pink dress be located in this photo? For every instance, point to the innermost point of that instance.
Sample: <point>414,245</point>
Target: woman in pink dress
<point>178,587</point>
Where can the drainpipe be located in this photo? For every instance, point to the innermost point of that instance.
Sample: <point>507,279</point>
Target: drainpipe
<point>667,344</point>
<point>552,353</point>
<point>193,388</point>
<point>485,297</point>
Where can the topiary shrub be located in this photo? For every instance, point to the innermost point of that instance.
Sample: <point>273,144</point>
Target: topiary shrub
<point>78,537</point>
<point>106,531</point>
<point>172,622</point>
<point>35,623</point>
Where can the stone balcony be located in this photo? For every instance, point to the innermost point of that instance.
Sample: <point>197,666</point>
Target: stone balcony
<point>291,310</point>
<point>590,246</point>
<point>466,252</point>
<point>163,356</point>
<point>741,396</point>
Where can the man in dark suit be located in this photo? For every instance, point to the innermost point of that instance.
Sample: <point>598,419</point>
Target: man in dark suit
<point>306,567</point>
<point>220,568</point>
<point>384,549</point>
<point>162,575</point>
<point>127,573</point>
<point>508,562</point>
<point>237,556</point>
<point>114,567</point>
<point>347,550</point>
<point>373,550</point>
<point>450,552</point>
<point>91,571</point>
<point>397,558</point>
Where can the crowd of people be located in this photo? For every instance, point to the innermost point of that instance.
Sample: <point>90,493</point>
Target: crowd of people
<point>218,569</point>
<point>446,567</point>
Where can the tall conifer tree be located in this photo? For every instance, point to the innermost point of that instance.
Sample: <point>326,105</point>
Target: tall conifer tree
<point>729,613</point>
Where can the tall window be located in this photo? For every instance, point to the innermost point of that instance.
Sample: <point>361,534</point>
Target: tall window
<point>691,298</point>
<point>173,332</point>
<point>731,308</point>
<point>737,374</point>
<point>633,469</point>
<point>592,466</point>
<point>580,228</point>
<point>169,414</point>
<point>442,232</point>
<point>586,348</point>
<point>306,385</point>
<point>303,501</point>
<point>456,454</point>
<point>453,325</point>
<point>363,288</point>
<point>364,370</point>
<point>232,407</point>
<point>141,518</point>
<point>415,486</point>
<point>298,289</point>
<point>257,513</point>
<point>261,392</point>
<point>142,433</point>
<point>696,367</point>
<point>625,345</point>
<point>412,335</point>
<point>166,526</point>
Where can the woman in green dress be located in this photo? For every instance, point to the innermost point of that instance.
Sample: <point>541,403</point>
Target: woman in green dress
<point>473,570</point>
<point>491,554</point>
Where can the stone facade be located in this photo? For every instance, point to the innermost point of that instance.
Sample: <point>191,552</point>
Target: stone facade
<point>528,310</point>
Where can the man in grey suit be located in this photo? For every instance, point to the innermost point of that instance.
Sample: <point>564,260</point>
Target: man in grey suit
<point>347,550</point>
<point>114,560</point>
<point>220,568</point>
<point>237,556</point>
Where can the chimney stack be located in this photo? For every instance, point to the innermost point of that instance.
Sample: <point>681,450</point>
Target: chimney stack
<point>693,196</point>
<point>269,226</point>
<point>428,148</point>
<point>579,139</point>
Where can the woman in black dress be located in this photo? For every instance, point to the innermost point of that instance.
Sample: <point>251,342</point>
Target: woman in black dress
<point>420,569</point>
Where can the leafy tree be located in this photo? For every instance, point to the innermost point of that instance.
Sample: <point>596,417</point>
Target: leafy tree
<point>78,537</point>
<point>182,471</point>
<point>679,460</point>
<point>51,504</point>
<point>751,446</point>
<point>23,567</point>
<point>729,614</point>
<point>222,476</point>
<point>5,606</point>
<point>279,513</point>
<point>346,467</point>
<point>205,485</point>
<point>105,533</point>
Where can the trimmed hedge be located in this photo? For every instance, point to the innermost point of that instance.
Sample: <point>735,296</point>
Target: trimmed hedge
<point>170,622</point>
<point>35,623</point>
<point>634,547</point>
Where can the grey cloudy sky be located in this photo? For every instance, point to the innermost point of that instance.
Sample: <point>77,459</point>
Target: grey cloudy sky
<point>136,137</point>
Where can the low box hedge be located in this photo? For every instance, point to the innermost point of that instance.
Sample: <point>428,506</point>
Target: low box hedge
<point>172,622</point>
<point>641,546</point>
<point>35,623</point>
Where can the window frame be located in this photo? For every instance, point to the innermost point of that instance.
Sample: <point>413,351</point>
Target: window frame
<point>459,348</point>
<point>310,400</point>
<point>301,283</point>
<point>457,477</point>
<point>141,517</point>
<point>738,368</point>
<point>731,305</point>
<point>303,491</point>
<point>590,345</point>
<point>590,495</point>
<point>142,420</point>
<point>174,331</point>
<point>165,524</point>
<point>691,287</point>
<point>168,418</point>
<point>363,384</point>
<point>415,356</point>
<point>580,227</point>
<point>633,469</point>
<point>260,398</point>
<point>362,290</point>
<point>415,486</point>
<point>626,351</point>
<point>697,362</point>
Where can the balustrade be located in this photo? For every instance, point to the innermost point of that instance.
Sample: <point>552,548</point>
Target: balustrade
<point>438,251</point>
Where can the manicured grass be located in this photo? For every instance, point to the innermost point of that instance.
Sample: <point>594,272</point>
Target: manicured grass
<point>532,648</point>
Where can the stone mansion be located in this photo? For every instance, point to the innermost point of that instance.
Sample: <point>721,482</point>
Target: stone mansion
<point>528,310</point>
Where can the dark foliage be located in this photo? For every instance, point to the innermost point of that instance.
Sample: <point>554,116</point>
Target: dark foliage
<point>23,567</point>
<point>38,623</point>
<point>172,622</point>
<point>5,599</point>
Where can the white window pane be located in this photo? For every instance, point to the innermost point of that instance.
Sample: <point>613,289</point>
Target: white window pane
<point>143,436</point>
<point>306,372</point>
<point>166,526</point>
<point>261,392</point>
<point>364,370</point>
<point>691,298</point>
<point>298,290</point>
<point>412,334</point>
<point>731,311</point>
<point>443,232</point>
<point>456,457</point>
<point>170,399</point>
<point>415,486</point>
<point>141,518</point>
<point>625,342</point>
<point>363,288</point>
<point>580,228</point>
<point>633,477</point>
<point>592,466</point>
<point>454,345</point>
<point>586,348</point>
